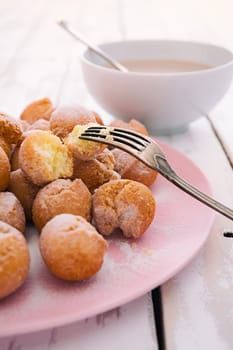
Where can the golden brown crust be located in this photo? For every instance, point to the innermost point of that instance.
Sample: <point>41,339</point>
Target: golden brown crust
<point>10,129</point>
<point>71,247</point>
<point>124,204</point>
<point>39,109</point>
<point>133,169</point>
<point>133,124</point>
<point>97,171</point>
<point>11,211</point>
<point>61,196</point>
<point>14,258</point>
<point>65,118</point>
<point>4,170</point>
<point>43,158</point>
<point>24,190</point>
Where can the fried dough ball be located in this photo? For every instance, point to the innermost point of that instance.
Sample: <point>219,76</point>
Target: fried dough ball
<point>83,149</point>
<point>14,259</point>
<point>11,211</point>
<point>61,196</point>
<point>24,190</point>
<point>97,171</point>
<point>39,109</point>
<point>4,170</point>
<point>133,124</point>
<point>10,129</point>
<point>71,248</point>
<point>124,204</point>
<point>133,169</point>
<point>44,158</point>
<point>65,118</point>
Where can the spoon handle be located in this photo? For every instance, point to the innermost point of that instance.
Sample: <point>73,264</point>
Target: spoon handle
<point>96,49</point>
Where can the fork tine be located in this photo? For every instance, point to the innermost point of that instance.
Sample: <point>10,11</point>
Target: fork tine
<point>110,135</point>
<point>112,141</point>
<point>133,133</point>
<point>129,136</point>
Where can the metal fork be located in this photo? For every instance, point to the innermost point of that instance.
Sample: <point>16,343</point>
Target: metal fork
<point>150,153</point>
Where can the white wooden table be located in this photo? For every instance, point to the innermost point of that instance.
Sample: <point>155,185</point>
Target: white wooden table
<point>37,59</point>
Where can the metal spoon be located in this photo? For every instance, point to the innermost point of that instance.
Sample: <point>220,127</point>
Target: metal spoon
<point>94,48</point>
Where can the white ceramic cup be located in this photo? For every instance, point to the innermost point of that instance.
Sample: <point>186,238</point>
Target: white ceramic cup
<point>165,102</point>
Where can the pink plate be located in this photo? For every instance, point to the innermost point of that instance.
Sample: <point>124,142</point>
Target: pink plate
<point>131,268</point>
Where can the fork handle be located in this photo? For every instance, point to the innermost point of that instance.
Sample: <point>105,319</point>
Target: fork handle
<point>165,170</point>
<point>202,197</point>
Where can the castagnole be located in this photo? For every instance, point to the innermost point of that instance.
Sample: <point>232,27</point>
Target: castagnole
<point>39,109</point>
<point>44,158</point>
<point>97,171</point>
<point>71,247</point>
<point>14,258</point>
<point>61,196</point>
<point>133,169</point>
<point>65,118</point>
<point>125,204</point>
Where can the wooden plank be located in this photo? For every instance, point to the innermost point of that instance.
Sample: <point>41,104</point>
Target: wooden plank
<point>197,301</point>
<point>221,119</point>
<point>123,328</point>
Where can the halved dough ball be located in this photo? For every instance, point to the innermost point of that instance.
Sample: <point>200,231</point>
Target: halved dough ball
<point>14,258</point>
<point>44,158</point>
<point>39,109</point>
<point>61,196</point>
<point>71,247</point>
<point>4,170</point>
<point>124,204</point>
<point>83,149</point>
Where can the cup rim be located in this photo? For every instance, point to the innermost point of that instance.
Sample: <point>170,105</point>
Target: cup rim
<point>110,70</point>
